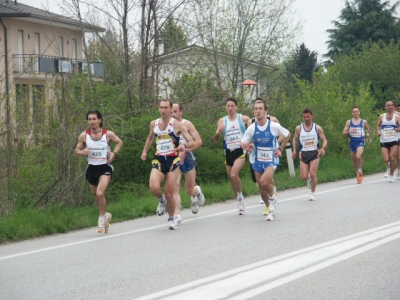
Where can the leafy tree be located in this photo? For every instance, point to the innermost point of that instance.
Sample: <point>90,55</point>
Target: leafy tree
<point>362,21</point>
<point>302,63</point>
<point>173,36</point>
<point>377,66</point>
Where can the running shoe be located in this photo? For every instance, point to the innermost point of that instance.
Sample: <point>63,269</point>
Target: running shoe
<point>161,207</point>
<point>262,201</point>
<point>241,207</point>
<point>398,174</point>
<point>272,204</point>
<point>270,217</point>
<point>172,223</point>
<point>200,196</point>
<point>178,220</point>
<point>107,222</point>
<point>387,174</point>
<point>195,205</point>
<point>309,183</point>
<point>312,197</point>
<point>100,225</point>
<point>391,179</point>
<point>360,177</point>
<point>266,210</point>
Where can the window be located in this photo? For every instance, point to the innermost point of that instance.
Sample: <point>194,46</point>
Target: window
<point>22,104</point>
<point>21,51</point>
<point>60,46</point>
<point>38,104</point>
<point>74,50</point>
<point>37,51</point>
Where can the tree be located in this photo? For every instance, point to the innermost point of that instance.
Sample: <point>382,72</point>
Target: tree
<point>173,36</point>
<point>362,21</point>
<point>241,33</point>
<point>302,63</point>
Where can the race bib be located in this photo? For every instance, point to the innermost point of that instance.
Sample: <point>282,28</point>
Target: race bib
<point>309,143</point>
<point>97,154</point>
<point>356,133</point>
<point>389,132</point>
<point>165,147</point>
<point>233,139</point>
<point>265,154</point>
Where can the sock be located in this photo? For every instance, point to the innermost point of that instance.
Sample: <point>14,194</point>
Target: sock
<point>240,195</point>
<point>193,199</point>
<point>162,199</point>
<point>360,170</point>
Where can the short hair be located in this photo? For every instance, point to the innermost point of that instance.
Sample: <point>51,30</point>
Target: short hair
<point>97,113</point>
<point>355,107</point>
<point>260,101</point>
<point>307,111</point>
<point>180,106</point>
<point>231,99</point>
<point>165,100</point>
<point>394,103</point>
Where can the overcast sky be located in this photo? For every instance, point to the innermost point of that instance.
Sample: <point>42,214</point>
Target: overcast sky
<point>317,16</point>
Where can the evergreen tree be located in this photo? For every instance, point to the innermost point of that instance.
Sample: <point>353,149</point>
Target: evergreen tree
<point>303,63</point>
<point>363,21</point>
<point>173,36</point>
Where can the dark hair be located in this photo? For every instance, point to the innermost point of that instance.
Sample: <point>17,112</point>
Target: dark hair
<point>166,100</point>
<point>231,99</point>
<point>307,111</point>
<point>355,107</point>
<point>394,103</point>
<point>97,113</point>
<point>259,100</point>
<point>180,106</point>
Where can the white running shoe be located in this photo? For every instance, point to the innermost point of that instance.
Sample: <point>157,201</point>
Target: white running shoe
<point>262,201</point>
<point>107,222</point>
<point>100,225</point>
<point>178,220</point>
<point>387,174</point>
<point>172,223</point>
<point>309,183</point>
<point>200,196</point>
<point>391,179</point>
<point>241,207</point>
<point>270,217</point>
<point>272,204</point>
<point>195,205</point>
<point>312,197</point>
<point>161,207</point>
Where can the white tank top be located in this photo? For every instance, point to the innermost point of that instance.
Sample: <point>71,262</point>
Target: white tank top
<point>98,148</point>
<point>308,139</point>
<point>388,130</point>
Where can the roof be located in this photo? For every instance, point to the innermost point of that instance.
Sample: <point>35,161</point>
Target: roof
<point>13,9</point>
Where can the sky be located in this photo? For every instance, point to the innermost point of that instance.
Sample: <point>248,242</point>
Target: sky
<point>317,16</point>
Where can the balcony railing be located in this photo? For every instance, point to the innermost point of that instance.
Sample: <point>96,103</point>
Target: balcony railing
<point>45,64</point>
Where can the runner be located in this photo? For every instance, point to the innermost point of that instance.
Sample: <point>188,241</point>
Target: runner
<point>307,136</point>
<point>261,139</point>
<point>357,129</point>
<point>232,128</point>
<point>251,156</point>
<point>387,130</point>
<point>166,132</point>
<point>95,144</point>
<point>188,167</point>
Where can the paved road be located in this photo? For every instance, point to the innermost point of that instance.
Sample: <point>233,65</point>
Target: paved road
<point>345,245</point>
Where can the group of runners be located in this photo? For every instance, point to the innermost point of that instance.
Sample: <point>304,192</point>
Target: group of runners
<point>261,137</point>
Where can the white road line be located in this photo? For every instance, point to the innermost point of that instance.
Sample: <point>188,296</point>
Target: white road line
<point>110,236</point>
<point>293,266</point>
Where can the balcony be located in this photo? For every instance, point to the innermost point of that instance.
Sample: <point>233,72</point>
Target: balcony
<point>45,64</point>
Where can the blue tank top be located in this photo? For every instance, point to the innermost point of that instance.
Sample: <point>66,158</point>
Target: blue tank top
<point>265,145</point>
<point>359,134</point>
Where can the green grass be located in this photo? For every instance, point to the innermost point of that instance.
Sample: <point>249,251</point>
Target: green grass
<point>26,223</point>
